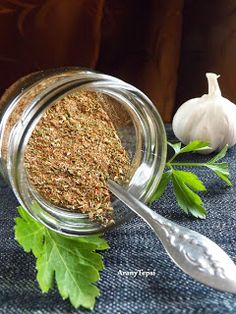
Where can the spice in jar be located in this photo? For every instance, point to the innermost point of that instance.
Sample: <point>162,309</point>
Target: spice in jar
<point>72,152</point>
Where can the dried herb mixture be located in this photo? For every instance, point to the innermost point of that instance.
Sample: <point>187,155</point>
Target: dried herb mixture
<point>72,151</point>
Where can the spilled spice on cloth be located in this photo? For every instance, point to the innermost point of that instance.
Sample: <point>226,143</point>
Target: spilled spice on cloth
<point>72,151</point>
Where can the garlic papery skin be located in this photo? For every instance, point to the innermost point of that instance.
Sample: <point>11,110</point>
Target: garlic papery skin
<point>210,118</point>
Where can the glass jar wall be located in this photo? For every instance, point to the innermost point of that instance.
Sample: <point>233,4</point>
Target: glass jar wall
<point>137,122</point>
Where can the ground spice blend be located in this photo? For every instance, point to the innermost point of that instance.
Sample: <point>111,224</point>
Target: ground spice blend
<point>72,151</point>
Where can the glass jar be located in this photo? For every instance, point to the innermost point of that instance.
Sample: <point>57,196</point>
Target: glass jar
<point>142,134</point>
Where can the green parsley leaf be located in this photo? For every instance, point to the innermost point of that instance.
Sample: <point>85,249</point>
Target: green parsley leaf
<point>29,233</point>
<point>165,179</point>
<point>189,201</point>
<point>72,262</point>
<point>219,156</point>
<point>190,179</point>
<point>194,146</point>
<point>221,170</point>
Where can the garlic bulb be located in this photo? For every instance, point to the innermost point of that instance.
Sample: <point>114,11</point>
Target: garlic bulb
<point>210,118</point>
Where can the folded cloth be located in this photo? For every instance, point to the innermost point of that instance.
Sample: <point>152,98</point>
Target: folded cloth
<point>158,286</point>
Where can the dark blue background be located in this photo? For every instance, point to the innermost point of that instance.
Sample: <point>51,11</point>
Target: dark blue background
<point>133,246</point>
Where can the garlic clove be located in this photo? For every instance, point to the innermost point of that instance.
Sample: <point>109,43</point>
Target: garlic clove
<point>210,118</point>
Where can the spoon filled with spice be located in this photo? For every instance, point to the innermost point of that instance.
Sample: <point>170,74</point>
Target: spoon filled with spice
<point>195,254</point>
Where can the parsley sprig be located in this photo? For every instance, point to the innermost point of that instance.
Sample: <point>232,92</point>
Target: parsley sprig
<point>73,263</point>
<point>185,183</point>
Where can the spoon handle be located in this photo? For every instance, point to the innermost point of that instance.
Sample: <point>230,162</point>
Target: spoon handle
<point>194,253</point>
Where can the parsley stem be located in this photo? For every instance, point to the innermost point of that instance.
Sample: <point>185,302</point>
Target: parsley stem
<point>185,164</point>
<point>172,158</point>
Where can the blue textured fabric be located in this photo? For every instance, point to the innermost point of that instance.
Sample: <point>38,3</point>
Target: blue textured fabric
<point>133,247</point>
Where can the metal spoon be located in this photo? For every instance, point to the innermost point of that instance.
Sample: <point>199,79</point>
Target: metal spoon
<point>194,253</point>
